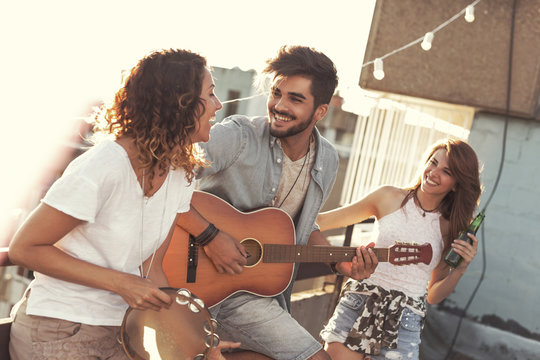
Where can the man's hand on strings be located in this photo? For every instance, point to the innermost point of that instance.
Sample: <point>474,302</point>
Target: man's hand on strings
<point>227,254</point>
<point>362,266</point>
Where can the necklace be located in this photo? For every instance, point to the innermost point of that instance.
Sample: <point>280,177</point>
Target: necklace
<point>306,158</point>
<point>141,270</point>
<point>424,211</point>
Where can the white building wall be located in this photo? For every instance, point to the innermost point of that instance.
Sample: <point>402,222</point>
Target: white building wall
<point>243,82</point>
<point>503,320</point>
<point>511,286</point>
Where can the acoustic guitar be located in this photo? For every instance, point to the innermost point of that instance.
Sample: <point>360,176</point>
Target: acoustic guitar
<point>269,238</point>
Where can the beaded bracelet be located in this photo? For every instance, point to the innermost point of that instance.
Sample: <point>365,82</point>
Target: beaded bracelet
<point>206,236</point>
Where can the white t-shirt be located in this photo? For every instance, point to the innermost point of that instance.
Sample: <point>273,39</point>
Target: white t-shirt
<point>101,188</point>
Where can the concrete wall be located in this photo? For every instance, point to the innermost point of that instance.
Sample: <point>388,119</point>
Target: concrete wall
<point>511,286</point>
<point>507,298</point>
<point>468,62</point>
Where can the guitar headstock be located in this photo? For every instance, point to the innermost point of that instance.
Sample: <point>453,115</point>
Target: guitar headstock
<point>406,254</point>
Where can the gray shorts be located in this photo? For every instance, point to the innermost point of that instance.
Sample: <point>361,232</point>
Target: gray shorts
<point>262,325</point>
<point>38,337</point>
<point>347,311</point>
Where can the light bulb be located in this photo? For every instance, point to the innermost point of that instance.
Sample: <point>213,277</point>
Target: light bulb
<point>378,71</point>
<point>426,43</point>
<point>469,14</point>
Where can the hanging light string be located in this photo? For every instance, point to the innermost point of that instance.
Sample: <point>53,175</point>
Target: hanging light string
<point>425,40</point>
<point>244,98</point>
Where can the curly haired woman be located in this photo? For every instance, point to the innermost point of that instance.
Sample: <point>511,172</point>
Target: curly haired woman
<point>380,317</point>
<point>97,239</point>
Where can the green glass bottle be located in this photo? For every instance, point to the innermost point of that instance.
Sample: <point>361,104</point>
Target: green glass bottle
<point>453,258</point>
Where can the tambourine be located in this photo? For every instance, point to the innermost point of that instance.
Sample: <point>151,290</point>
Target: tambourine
<point>183,331</point>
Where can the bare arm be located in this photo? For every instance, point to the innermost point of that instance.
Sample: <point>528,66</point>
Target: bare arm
<point>33,247</point>
<point>346,215</point>
<point>376,204</point>
<point>443,279</point>
<point>227,254</point>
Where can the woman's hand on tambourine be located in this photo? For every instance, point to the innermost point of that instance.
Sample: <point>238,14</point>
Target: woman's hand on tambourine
<point>214,353</point>
<point>142,294</point>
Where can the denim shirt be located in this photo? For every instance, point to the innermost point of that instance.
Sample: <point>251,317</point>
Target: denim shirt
<point>245,170</point>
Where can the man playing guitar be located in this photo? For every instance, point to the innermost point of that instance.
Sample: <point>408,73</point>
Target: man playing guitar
<point>279,160</point>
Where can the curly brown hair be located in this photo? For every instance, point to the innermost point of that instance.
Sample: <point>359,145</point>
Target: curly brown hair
<point>457,206</point>
<point>159,106</point>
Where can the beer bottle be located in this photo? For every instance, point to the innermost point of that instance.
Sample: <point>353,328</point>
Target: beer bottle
<point>453,258</point>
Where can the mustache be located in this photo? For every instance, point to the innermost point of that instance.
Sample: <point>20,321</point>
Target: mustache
<point>274,111</point>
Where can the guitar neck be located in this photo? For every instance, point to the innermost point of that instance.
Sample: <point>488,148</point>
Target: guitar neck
<point>276,253</point>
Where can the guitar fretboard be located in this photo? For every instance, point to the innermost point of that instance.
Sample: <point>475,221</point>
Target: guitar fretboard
<point>276,253</point>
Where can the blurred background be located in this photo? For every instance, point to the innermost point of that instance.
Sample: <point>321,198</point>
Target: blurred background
<point>476,77</point>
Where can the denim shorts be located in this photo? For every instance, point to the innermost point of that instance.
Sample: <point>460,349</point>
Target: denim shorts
<point>347,311</point>
<point>262,325</point>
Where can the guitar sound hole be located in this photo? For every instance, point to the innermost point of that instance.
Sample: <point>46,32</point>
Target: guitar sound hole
<point>254,249</point>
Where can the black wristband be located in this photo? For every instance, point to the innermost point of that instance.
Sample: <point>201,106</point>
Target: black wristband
<point>206,236</point>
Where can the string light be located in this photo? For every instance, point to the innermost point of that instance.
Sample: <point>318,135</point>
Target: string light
<point>426,43</point>
<point>244,98</point>
<point>378,70</point>
<point>426,39</point>
<point>469,14</point>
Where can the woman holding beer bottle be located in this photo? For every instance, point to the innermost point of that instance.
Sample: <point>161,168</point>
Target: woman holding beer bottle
<point>384,313</point>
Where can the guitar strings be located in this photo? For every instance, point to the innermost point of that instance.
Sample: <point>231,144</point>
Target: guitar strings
<point>400,255</point>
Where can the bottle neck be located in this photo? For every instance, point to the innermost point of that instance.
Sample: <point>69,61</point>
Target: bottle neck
<point>476,223</point>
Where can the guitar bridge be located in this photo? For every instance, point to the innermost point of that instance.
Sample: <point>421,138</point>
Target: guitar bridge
<point>193,260</point>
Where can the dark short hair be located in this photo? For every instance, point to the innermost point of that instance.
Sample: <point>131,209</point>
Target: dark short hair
<point>305,61</point>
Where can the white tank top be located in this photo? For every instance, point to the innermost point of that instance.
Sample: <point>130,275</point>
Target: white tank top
<point>407,225</point>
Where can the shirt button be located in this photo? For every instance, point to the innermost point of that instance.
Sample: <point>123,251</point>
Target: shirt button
<point>279,161</point>
<point>273,189</point>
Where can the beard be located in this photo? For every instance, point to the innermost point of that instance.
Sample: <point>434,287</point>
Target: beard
<point>296,129</point>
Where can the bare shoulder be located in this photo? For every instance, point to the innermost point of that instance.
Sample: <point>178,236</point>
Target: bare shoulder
<point>389,199</point>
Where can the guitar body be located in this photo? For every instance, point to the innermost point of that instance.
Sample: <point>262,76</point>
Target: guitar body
<point>268,236</point>
<point>253,229</point>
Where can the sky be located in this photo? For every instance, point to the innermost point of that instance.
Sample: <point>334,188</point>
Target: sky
<point>59,57</point>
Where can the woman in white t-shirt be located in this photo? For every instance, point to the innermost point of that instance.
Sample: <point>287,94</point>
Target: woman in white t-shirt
<point>97,239</point>
<point>381,317</point>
